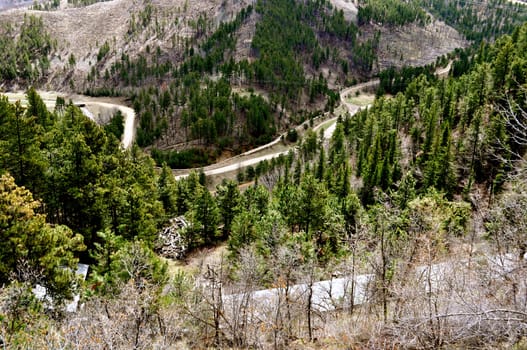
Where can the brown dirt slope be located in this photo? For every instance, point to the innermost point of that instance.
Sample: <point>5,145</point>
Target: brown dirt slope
<point>82,31</point>
<point>415,45</point>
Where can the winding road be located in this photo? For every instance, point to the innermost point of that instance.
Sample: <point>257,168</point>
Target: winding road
<point>342,293</point>
<point>128,113</point>
<point>339,293</point>
<point>91,107</point>
<point>266,151</point>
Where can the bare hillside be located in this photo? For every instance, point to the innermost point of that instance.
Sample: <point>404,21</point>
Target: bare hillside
<point>349,8</point>
<point>90,39</point>
<point>8,4</point>
<point>130,27</point>
<point>415,45</point>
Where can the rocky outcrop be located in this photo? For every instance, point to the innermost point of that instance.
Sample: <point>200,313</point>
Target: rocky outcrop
<point>171,243</point>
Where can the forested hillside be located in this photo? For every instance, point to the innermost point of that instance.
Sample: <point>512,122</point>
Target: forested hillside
<point>422,194</point>
<point>210,80</point>
<point>392,12</point>
<point>25,57</point>
<point>289,36</point>
<point>479,20</point>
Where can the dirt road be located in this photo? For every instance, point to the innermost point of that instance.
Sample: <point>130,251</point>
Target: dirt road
<point>275,148</point>
<point>93,108</point>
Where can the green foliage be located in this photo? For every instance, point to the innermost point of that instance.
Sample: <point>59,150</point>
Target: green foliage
<point>20,138</point>
<point>136,261</point>
<point>277,44</point>
<point>434,214</point>
<point>478,21</point>
<point>123,262</point>
<point>31,249</point>
<point>21,314</point>
<point>244,232</point>
<point>204,217</point>
<point>456,133</point>
<point>80,3</point>
<point>71,60</point>
<point>229,199</point>
<point>392,12</point>
<point>311,202</point>
<point>129,199</point>
<point>292,34</point>
<point>255,198</point>
<point>289,35</point>
<point>75,165</point>
<point>304,217</point>
<point>167,188</point>
<point>393,81</point>
<point>85,179</point>
<point>103,51</point>
<point>37,109</point>
<point>116,125</point>
<point>351,211</point>
<point>46,5</point>
<point>104,253</point>
<point>378,151</point>
<point>292,135</point>
<point>25,56</point>
<point>413,153</point>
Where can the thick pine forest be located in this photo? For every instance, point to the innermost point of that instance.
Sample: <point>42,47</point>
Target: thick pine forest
<point>392,12</point>
<point>217,116</point>
<point>449,134</point>
<point>203,101</point>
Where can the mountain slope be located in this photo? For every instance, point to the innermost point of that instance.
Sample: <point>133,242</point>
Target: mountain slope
<point>282,60</point>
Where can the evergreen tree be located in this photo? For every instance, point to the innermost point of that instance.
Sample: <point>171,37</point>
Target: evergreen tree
<point>312,203</point>
<point>116,125</point>
<point>167,188</point>
<point>205,218</point>
<point>36,108</point>
<point>20,140</point>
<point>228,198</point>
<point>31,249</point>
<point>244,231</point>
<point>75,167</point>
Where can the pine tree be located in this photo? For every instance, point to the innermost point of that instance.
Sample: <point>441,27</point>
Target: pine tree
<point>321,164</point>
<point>205,218</point>
<point>350,211</point>
<point>244,231</point>
<point>31,249</point>
<point>37,108</point>
<point>228,198</point>
<point>21,137</point>
<point>313,198</point>
<point>167,188</point>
